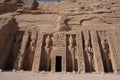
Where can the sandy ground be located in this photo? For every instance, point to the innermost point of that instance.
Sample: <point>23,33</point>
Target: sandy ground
<point>56,76</point>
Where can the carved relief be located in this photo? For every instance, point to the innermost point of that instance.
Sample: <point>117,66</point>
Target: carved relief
<point>89,60</point>
<point>59,39</point>
<point>90,55</point>
<point>105,51</point>
<point>38,53</point>
<point>17,44</point>
<point>32,47</point>
<point>71,52</point>
<point>29,51</point>
<point>46,52</point>
<point>62,23</point>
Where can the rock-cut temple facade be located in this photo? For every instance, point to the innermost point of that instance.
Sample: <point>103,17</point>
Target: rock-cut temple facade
<point>81,36</point>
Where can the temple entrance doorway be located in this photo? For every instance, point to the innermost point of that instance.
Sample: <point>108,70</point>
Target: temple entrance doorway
<point>58,64</point>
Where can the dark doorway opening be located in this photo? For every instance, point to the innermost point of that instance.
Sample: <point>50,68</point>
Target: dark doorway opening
<point>58,63</point>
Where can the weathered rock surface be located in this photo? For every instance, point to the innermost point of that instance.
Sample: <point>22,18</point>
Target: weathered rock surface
<point>7,21</point>
<point>62,23</point>
<point>31,5</point>
<point>8,27</point>
<point>9,6</point>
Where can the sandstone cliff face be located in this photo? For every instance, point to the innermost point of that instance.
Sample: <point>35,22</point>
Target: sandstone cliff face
<point>8,27</point>
<point>81,27</point>
<point>30,5</point>
<point>11,1</point>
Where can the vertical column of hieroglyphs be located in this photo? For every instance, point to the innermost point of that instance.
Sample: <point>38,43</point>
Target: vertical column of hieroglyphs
<point>64,52</point>
<point>81,63</point>
<point>37,55</point>
<point>19,60</point>
<point>97,54</point>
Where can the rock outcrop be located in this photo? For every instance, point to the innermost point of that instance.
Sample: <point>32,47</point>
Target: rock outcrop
<point>62,23</point>
<point>8,27</point>
<point>9,6</point>
<point>31,5</point>
<point>11,1</point>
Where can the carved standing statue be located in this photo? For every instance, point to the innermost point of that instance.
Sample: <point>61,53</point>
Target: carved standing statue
<point>17,45</point>
<point>16,48</point>
<point>90,55</point>
<point>72,51</point>
<point>106,54</point>
<point>47,50</point>
<point>29,52</point>
<point>32,48</point>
